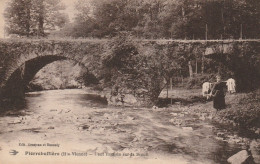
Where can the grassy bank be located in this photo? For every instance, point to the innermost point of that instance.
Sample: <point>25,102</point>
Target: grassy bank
<point>243,109</point>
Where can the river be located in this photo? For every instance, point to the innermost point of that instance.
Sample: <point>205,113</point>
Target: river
<point>75,121</point>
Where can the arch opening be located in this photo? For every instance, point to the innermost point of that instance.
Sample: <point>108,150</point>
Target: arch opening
<point>17,83</point>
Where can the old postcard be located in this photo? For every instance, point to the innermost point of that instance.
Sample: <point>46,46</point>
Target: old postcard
<point>129,81</point>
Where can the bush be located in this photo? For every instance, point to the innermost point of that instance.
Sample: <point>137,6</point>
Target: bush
<point>246,113</point>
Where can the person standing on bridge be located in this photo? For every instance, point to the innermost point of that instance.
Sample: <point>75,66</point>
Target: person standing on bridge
<point>218,94</point>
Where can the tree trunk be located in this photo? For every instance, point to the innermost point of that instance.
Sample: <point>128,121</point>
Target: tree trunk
<point>190,69</point>
<point>167,90</point>
<point>202,64</point>
<point>196,67</point>
<point>41,19</point>
<point>171,83</point>
<point>28,18</point>
<point>223,20</point>
<point>241,31</point>
<point>183,11</point>
<point>206,32</point>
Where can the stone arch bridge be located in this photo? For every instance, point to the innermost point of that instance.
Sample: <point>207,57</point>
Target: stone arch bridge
<point>20,60</point>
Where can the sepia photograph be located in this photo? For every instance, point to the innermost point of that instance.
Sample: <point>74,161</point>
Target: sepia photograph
<point>129,81</point>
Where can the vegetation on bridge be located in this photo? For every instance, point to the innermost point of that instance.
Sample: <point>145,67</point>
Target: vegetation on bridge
<point>132,67</point>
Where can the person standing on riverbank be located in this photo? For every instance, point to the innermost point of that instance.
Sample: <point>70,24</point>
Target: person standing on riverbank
<point>218,94</point>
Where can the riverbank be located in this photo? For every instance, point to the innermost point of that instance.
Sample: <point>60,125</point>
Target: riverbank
<point>242,109</point>
<point>239,122</point>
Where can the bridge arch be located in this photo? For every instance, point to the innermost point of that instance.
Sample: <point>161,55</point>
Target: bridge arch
<point>20,60</point>
<point>23,71</point>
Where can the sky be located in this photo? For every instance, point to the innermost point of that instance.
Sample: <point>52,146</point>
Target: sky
<point>69,9</point>
<point>2,7</point>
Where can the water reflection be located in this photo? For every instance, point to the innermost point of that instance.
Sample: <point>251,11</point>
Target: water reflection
<point>12,107</point>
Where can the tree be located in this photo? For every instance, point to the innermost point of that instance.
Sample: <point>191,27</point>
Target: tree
<point>114,16</point>
<point>84,24</point>
<point>34,17</point>
<point>18,17</point>
<point>178,19</point>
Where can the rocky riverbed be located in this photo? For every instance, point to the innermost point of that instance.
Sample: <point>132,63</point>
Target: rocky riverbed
<point>74,121</point>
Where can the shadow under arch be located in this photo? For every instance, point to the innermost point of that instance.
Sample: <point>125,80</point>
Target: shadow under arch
<point>17,82</point>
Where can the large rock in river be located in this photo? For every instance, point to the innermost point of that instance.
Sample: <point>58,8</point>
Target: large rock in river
<point>129,99</point>
<point>123,100</point>
<point>239,157</point>
<point>255,150</point>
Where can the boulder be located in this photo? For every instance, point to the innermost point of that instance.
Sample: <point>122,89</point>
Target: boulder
<point>130,118</point>
<point>187,128</point>
<point>239,157</point>
<point>129,99</point>
<point>123,100</point>
<point>209,51</point>
<point>113,100</point>
<point>257,131</point>
<point>221,134</point>
<point>174,114</point>
<point>255,150</point>
<point>107,116</point>
<point>154,107</point>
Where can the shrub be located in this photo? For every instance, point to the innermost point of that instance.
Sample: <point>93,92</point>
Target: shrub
<point>246,112</point>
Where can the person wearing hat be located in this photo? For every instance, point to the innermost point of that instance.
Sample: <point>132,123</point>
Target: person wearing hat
<point>218,94</point>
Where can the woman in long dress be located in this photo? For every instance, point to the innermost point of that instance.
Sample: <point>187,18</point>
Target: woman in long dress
<point>218,94</point>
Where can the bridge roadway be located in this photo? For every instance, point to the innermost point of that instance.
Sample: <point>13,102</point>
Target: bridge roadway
<point>142,40</point>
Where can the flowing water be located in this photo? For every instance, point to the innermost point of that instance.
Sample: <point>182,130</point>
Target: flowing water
<point>75,121</point>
